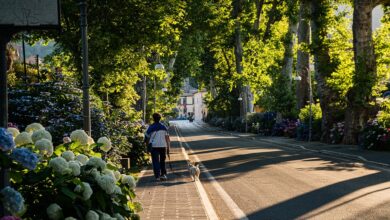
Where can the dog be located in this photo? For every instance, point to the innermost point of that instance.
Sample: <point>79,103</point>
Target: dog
<point>194,170</point>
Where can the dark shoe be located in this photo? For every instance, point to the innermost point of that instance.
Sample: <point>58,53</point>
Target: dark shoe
<point>158,179</point>
<point>164,178</point>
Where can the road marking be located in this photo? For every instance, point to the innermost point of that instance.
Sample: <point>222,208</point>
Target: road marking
<point>237,212</point>
<point>210,211</point>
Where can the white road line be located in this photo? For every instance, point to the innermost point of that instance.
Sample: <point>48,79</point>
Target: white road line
<point>237,212</point>
<point>210,211</point>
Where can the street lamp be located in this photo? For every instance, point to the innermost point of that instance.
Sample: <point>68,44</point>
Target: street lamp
<point>299,78</point>
<point>158,66</point>
<point>86,105</point>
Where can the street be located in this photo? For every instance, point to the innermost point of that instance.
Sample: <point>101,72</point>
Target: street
<point>257,180</point>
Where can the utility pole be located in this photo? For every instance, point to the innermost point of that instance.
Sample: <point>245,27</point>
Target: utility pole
<point>144,102</point>
<point>83,27</point>
<point>37,63</point>
<point>310,106</point>
<point>24,59</point>
<point>4,171</point>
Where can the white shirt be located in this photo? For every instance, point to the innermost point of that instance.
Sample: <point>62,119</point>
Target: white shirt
<point>157,138</point>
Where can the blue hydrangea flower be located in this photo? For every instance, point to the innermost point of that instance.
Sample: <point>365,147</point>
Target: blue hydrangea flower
<point>24,156</point>
<point>6,140</point>
<point>12,200</point>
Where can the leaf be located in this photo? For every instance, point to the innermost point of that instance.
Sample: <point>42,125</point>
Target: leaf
<point>59,149</point>
<point>69,193</point>
<point>16,177</point>
<point>100,199</point>
<point>34,178</point>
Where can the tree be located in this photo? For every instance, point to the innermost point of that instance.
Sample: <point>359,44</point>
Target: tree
<point>359,96</point>
<point>303,56</point>
<point>324,66</point>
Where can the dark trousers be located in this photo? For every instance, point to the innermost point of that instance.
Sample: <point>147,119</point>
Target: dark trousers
<point>158,160</point>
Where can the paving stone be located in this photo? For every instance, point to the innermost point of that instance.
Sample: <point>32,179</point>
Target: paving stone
<point>176,198</point>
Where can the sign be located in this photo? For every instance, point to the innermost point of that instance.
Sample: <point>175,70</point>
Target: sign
<point>29,14</point>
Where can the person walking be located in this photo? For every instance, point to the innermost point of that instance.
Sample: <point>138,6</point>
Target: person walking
<point>157,135</point>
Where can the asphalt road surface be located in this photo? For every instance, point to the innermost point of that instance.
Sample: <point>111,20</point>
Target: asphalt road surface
<point>257,180</point>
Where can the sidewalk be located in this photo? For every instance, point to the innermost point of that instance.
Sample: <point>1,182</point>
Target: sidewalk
<point>353,152</point>
<point>176,198</point>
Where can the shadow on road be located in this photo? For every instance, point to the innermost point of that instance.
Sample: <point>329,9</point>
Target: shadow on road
<point>235,165</point>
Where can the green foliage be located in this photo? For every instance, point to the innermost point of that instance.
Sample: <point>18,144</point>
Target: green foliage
<point>384,114</point>
<point>382,53</point>
<point>100,189</point>
<point>280,97</point>
<point>304,117</point>
<point>56,105</point>
<point>375,137</point>
<point>316,113</point>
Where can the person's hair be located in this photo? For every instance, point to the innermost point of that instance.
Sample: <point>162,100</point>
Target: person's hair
<point>156,117</point>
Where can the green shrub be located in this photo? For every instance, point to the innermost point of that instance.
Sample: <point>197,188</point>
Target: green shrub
<point>304,117</point>
<point>384,113</point>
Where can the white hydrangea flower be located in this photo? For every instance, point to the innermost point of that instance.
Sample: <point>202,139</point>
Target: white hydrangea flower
<point>106,144</point>
<point>117,190</point>
<point>118,216</point>
<point>109,172</point>
<point>66,140</point>
<point>34,127</point>
<point>105,216</point>
<point>95,173</point>
<point>84,188</point>
<point>54,211</point>
<point>107,183</point>
<point>75,167</point>
<point>45,147</point>
<point>90,140</point>
<point>60,165</point>
<point>82,159</point>
<point>118,175</point>
<point>97,163</point>
<point>23,139</point>
<point>91,215</point>
<point>80,136</point>
<point>70,218</point>
<point>40,134</point>
<point>129,180</point>
<point>68,155</point>
<point>14,131</point>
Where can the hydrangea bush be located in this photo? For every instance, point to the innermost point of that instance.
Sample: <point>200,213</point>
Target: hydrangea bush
<point>58,108</point>
<point>375,136</point>
<point>71,181</point>
<point>337,133</point>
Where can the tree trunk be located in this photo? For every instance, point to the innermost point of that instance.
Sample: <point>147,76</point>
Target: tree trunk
<point>273,16</point>
<point>303,58</point>
<point>364,79</point>
<point>259,9</point>
<point>323,64</point>
<point>288,59</point>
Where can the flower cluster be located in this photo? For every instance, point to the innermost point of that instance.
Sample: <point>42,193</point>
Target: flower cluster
<point>375,136</point>
<point>25,157</point>
<point>14,131</point>
<point>80,136</point>
<point>23,138</point>
<point>40,134</point>
<point>85,189</point>
<point>337,133</point>
<point>12,200</point>
<point>6,140</point>
<point>105,144</point>
<point>60,165</point>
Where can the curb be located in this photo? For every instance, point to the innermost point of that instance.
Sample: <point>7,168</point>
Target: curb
<point>300,147</point>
